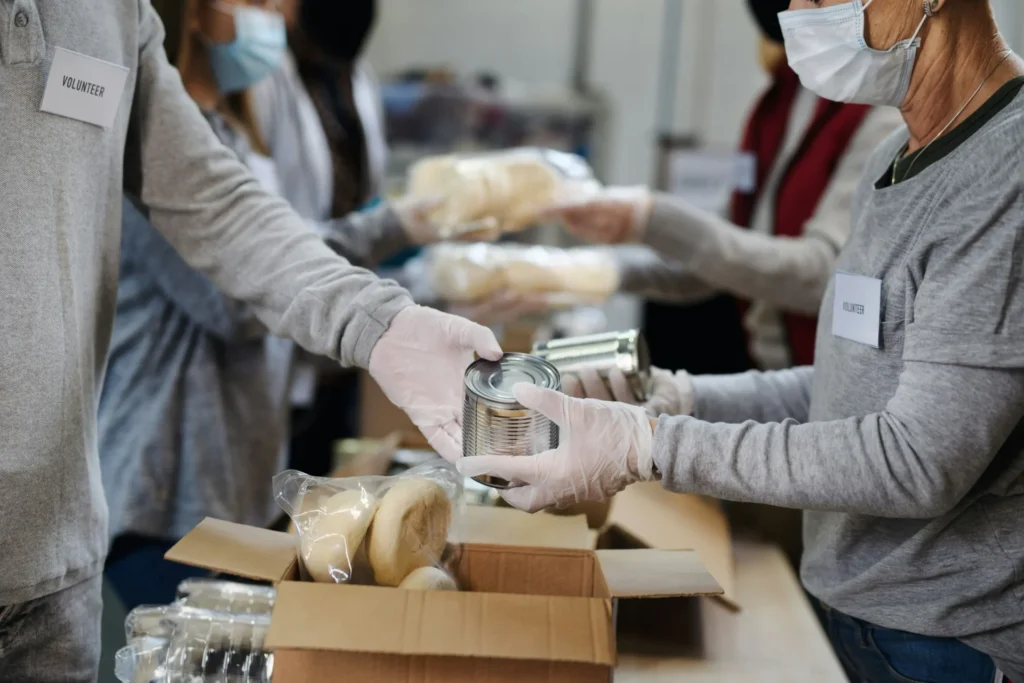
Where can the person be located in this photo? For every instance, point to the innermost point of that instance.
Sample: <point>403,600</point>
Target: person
<point>780,244</point>
<point>202,433</point>
<point>331,165</point>
<point>91,107</point>
<point>904,442</point>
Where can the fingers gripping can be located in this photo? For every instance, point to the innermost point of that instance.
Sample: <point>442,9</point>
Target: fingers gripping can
<point>493,422</point>
<point>602,353</point>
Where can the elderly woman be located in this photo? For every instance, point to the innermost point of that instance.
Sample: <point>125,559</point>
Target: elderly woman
<point>904,442</point>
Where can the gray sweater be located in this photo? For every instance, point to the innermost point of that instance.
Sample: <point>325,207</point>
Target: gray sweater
<point>194,410</point>
<point>910,457</point>
<point>60,232</point>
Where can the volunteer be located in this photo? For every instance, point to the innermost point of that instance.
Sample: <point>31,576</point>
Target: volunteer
<point>90,105</point>
<point>202,433</point>
<point>779,246</point>
<point>905,440</point>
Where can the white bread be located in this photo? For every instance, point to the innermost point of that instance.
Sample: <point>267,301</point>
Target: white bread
<point>331,541</point>
<point>428,579</point>
<point>410,530</point>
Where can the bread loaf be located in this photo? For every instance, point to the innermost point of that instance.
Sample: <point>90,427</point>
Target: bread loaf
<point>331,540</point>
<point>409,531</point>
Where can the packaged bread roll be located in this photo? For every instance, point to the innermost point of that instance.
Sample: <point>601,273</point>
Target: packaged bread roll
<point>466,273</point>
<point>428,579</point>
<point>331,541</point>
<point>409,531</point>
<point>507,190</point>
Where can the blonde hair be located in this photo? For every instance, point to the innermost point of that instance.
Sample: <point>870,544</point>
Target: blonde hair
<point>236,108</point>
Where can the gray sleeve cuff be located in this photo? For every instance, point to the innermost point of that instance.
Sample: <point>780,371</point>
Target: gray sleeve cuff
<point>678,232</point>
<point>754,395</point>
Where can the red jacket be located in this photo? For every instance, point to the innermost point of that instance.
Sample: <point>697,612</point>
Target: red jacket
<point>806,179</point>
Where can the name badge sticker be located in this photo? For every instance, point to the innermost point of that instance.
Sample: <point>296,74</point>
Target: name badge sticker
<point>84,88</point>
<point>857,308</point>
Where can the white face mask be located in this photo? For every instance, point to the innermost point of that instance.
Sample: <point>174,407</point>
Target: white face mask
<point>826,48</point>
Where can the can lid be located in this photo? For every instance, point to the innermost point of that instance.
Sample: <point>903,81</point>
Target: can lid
<point>494,380</point>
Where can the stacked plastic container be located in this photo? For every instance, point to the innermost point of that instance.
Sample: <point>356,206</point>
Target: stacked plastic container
<point>213,633</point>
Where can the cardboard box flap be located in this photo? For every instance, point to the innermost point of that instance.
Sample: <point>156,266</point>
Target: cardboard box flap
<point>659,519</point>
<point>507,526</point>
<point>238,550</point>
<point>656,574</point>
<point>311,616</point>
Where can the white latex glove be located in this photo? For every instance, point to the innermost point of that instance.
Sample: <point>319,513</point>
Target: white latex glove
<point>615,216</point>
<point>671,393</point>
<point>503,307</point>
<point>604,447</point>
<point>589,384</point>
<point>416,216</point>
<point>419,363</point>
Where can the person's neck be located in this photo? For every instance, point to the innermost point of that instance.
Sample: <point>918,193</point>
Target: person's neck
<point>959,51</point>
<point>197,75</point>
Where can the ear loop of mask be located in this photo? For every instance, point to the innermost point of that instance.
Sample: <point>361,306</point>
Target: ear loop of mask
<point>928,13</point>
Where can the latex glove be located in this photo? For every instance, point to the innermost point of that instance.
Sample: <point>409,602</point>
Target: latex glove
<point>604,447</point>
<point>589,384</point>
<point>419,363</point>
<point>615,216</point>
<point>503,307</point>
<point>416,214</point>
<point>671,393</point>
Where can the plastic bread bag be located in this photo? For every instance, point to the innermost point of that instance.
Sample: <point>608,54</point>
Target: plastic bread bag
<point>179,643</point>
<point>485,195</point>
<point>387,531</point>
<point>226,596</point>
<point>473,272</point>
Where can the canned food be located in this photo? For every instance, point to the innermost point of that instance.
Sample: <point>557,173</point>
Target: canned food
<point>602,353</point>
<point>493,422</point>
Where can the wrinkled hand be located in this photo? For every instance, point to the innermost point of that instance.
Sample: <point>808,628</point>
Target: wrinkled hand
<point>617,215</point>
<point>589,384</point>
<point>671,393</point>
<point>604,447</point>
<point>503,307</point>
<point>419,363</point>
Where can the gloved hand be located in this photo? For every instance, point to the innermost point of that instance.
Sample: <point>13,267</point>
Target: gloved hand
<point>419,363</point>
<point>416,216</point>
<point>414,213</point>
<point>589,384</point>
<point>671,393</point>
<point>604,447</point>
<point>503,307</point>
<point>616,215</point>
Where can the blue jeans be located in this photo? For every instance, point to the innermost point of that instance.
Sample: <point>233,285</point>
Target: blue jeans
<point>872,654</point>
<point>55,639</point>
<point>140,575</point>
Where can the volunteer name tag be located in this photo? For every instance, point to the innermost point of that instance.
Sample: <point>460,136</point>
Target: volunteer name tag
<point>857,308</point>
<point>84,88</point>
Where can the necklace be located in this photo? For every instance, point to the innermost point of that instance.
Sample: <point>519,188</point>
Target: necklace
<point>896,163</point>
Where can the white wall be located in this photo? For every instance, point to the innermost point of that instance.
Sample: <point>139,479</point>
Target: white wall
<point>532,41</point>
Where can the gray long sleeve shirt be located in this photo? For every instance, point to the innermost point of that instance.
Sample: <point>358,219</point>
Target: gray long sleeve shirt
<point>909,457</point>
<point>194,410</point>
<point>691,255</point>
<point>60,222</point>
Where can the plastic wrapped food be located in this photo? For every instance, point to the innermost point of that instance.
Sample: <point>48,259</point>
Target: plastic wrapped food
<point>179,644</point>
<point>226,596</point>
<point>371,530</point>
<point>471,272</point>
<point>499,192</point>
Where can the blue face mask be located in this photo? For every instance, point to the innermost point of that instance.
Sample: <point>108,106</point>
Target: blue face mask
<point>259,45</point>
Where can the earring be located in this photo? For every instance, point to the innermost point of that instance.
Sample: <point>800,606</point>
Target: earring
<point>930,8</point>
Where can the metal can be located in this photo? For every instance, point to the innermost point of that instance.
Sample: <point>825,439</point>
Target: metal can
<point>493,422</point>
<point>601,353</point>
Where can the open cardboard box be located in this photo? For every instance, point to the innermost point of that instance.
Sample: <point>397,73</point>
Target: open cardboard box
<point>647,516</point>
<point>525,614</point>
